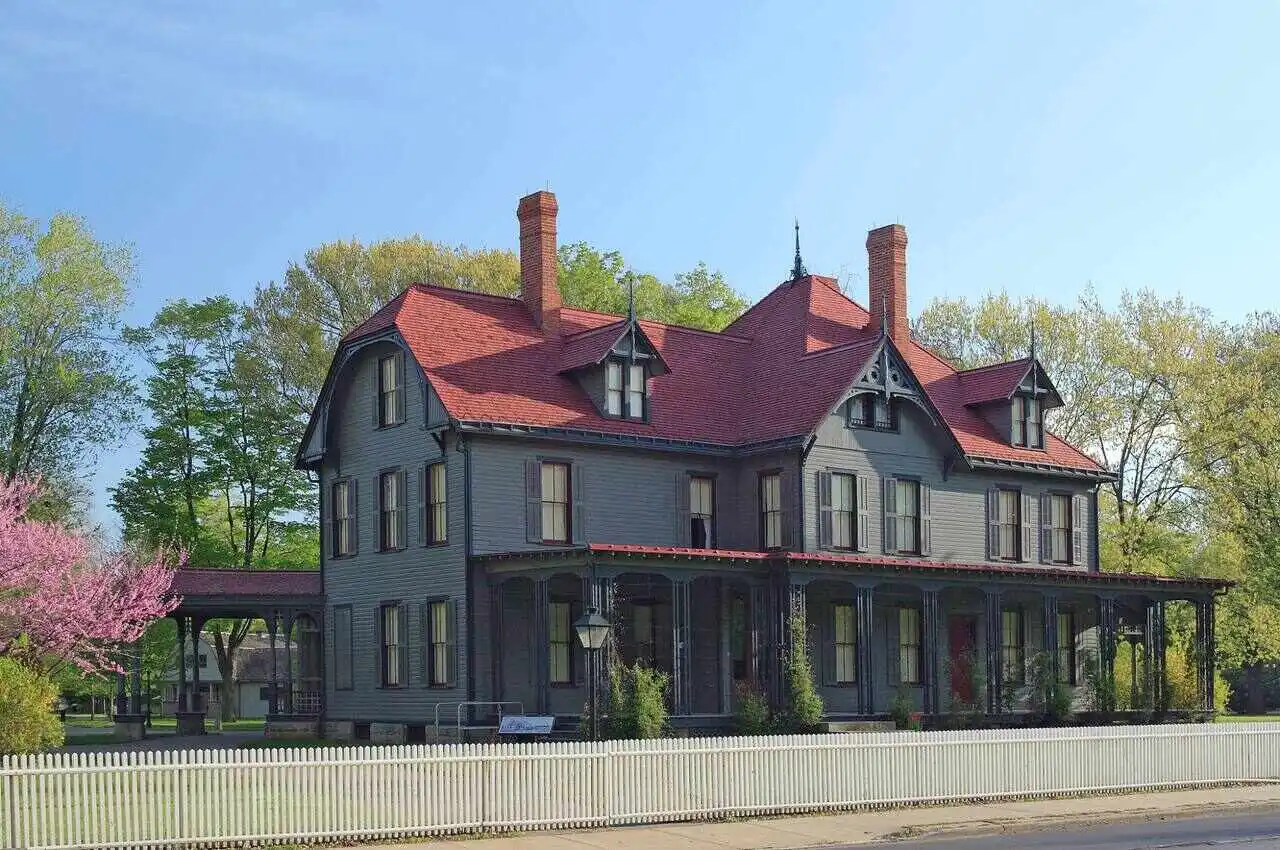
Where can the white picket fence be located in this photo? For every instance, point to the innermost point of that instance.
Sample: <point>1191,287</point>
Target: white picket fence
<point>233,797</point>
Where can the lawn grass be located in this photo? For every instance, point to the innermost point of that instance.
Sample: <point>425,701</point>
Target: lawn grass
<point>286,743</point>
<point>1248,718</point>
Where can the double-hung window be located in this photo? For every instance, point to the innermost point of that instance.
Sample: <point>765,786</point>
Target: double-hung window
<point>1060,530</point>
<point>389,390</point>
<point>1013,650</point>
<point>843,511</point>
<point>771,510</point>
<point>702,512</point>
<point>341,525</point>
<point>1066,648</point>
<point>1008,503</point>
<point>909,639</point>
<point>438,643</point>
<point>625,387</point>
<point>908,511</point>
<point>391,629</point>
<point>636,386</point>
<point>846,641</point>
<point>1027,427</point>
<point>555,502</point>
<point>437,512</point>
<point>561,616</point>
<point>391,510</point>
<point>613,387</point>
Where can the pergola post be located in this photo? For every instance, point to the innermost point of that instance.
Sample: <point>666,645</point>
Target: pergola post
<point>995,673</point>
<point>184,703</point>
<point>1107,649</point>
<point>273,624</point>
<point>289,621</point>
<point>931,626</point>
<point>542,642</point>
<point>866,630</point>
<point>196,705</point>
<point>136,685</point>
<point>1050,626</point>
<point>681,696</point>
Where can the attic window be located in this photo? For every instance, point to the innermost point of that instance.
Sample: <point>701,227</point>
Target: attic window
<point>1027,422</point>
<point>871,410</point>
<point>626,386</point>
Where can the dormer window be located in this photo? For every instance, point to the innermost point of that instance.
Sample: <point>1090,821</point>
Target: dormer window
<point>1027,422</point>
<point>625,387</point>
<point>871,410</point>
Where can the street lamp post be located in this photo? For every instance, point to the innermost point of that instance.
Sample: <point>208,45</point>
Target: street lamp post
<point>593,633</point>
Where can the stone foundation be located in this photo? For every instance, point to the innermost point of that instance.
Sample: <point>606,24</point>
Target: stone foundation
<point>129,727</point>
<point>339,730</point>
<point>388,733</point>
<point>190,722</point>
<point>284,726</point>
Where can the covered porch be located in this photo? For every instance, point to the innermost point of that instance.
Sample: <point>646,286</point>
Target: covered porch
<point>881,633</point>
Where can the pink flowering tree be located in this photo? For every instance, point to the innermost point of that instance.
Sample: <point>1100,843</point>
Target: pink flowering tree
<point>64,602</point>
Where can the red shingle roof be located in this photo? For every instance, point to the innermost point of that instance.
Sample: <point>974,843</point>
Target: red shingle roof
<point>774,373</point>
<point>995,382</point>
<point>231,583</point>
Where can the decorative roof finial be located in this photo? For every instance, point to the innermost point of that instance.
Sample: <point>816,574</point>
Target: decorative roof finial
<point>631,299</point>
<point>798,270</point>
<point>1033,339</point>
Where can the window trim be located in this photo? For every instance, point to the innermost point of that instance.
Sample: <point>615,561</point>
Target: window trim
<point>1019,433</point>
<point>403,646</point>
<point>402,508</point>
<point>762,515</point>
<point>427,631</point>
<point>429,512</point>
<point>853,510</point>
<point>334,520</point>
<point>690,477</point>
<point>1017,523</point>
<point>897,504</point>
<point>568,501</point>
<point>1069,498</point>
<point>836,681</point>
<point>350,647</point>
<point>397,358</point>
<point>866,420</point>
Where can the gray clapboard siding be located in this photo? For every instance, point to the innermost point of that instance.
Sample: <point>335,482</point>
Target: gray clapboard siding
<point>959,508</point>
<point>414,575</point>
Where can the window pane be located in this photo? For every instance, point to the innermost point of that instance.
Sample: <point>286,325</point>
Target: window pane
<point>882,412</point>
<point>773,530</point>
<point>635,392</point>
<point>613,388</point>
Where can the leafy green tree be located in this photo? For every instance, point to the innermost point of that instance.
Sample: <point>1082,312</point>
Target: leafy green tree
<point>27,721</point>
<point>65,392</point>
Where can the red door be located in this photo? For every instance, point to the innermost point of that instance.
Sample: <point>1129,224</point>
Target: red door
<point>962,640</point>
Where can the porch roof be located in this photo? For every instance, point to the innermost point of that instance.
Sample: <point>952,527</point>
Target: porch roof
<point>874,563</point>
<point>237,592</point>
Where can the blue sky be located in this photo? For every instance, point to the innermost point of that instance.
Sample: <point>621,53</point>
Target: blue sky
<point>1029,147</point>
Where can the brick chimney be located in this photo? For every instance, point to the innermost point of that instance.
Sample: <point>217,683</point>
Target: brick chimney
<point>538,288</point>
<point>887,281</point>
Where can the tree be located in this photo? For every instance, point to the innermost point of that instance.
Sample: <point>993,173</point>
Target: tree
<point>64,391</point>
<point>216,475</point>
<point>63,602</point>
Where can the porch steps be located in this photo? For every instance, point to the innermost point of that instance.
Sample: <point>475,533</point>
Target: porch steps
<point>846,726</point>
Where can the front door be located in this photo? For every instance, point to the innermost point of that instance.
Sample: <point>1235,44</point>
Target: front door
<point>962,640</point>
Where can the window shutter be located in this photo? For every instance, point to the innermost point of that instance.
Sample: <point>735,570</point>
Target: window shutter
<point>353,518</point>
<point>379,494</point>
<point>451,635</point>
<point>862,493</point>
<point>377,393</point>
<point>682,517</point>
<point>328,522</point>
<point>1078,522</point>
<point>893,658</point>
<point>926,519</point>
<point>422,505</point>
<point>401,389</point>
<point>1046,527</point>
<point>578,495</point>
<point>1028,530</point>
<point>533,500</point>
<point>404,648</point>
<point>403,510</point>
<point>424,643</point>
<point>824,511</point>
<point>993,524</point>
<point>787,484</point>
<point>890,515</point>
<point>378,648</point>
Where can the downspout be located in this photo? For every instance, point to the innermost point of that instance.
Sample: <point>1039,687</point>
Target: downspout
<point>804,456</point>
<point>1097,532</point>
<point>464,447</point>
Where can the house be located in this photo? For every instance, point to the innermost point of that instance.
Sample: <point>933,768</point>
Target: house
<point>490,467</point>
<point>250,688</point>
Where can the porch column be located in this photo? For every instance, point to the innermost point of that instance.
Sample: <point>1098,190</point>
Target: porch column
<point>196,625</point>
<point>796,610</point>
<point>122,701</point>
<point>1107,649</point>
<point>289,620</point>
<point>273,625</point>
<point>542,642</point>
<point>496,591</point>
<point>866,670</point>
<point>1050,647</point>
<point>601,597</point>
<point>725,643</point>
<point>1154,656</point>
<point>761,670</point>
<point>931,626</point>
<point>1211,653</point>
<point>994,672</point>
<point>135,696</point>
<point>184,703</point>
<point>681,681</point>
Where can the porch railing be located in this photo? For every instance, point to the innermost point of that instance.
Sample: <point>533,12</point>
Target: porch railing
<point>234,797</point>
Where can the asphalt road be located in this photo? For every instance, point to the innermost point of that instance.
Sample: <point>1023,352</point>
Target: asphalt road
<point>1260,831</point>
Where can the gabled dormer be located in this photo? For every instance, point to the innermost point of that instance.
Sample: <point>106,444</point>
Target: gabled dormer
<point>614,365</point>
<point>1013,397</point>
<point>884,384</point>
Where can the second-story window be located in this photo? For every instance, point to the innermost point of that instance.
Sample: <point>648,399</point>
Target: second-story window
<point>437,507</point>
<point>1007,504</point>
<point>1027,426</point>
<point>389,390</point>
<point>873,411</point>
<point>391,531</point>
<point>843,511</point>
<point>771,510</point>
<point>908,508</point>
<point>613,388</point>
<point>1060,529</point>
<point>702,512</point>
<point>342,518</point>
<point>555,502</point>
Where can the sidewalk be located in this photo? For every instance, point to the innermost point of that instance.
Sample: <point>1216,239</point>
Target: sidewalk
<point>867,827</point>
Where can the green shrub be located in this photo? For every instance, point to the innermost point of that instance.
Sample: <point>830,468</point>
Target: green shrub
<point>901,710</point>
<point>637,702</point>
<point>1100,689</point>
<point>751,715</point>
<point>1048,697</point>
<point>27,721</point>
<point>804,704</point>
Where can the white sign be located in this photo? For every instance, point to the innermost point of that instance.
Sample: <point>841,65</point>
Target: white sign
<point>516,724</point>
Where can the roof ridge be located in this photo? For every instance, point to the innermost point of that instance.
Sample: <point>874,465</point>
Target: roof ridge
<point>993,366</point>
<point>671,326</point>
<point>588,331</point>
<point>841,348</point>
<point>418,284</point>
